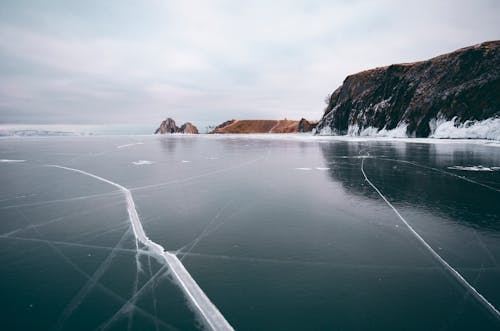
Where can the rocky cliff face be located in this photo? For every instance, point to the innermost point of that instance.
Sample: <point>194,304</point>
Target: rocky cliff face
<point>459,89</point>
<point>169,126</point>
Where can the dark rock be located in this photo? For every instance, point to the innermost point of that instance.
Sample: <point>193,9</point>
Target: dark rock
<point>306,126</point>
<point>223,125</point>
<point>463,85</point>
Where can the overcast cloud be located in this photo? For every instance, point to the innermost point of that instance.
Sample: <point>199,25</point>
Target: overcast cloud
<point>123,62</point>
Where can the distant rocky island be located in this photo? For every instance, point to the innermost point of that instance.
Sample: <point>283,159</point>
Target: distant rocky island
<point>169,126</point>
<point>456,95</point>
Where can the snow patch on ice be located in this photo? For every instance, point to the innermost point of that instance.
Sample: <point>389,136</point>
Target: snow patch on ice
<point>142,162</point>
<point>11,161</point>
<point>128,145</point>
<point>474,168</point>
<point>486,129</point>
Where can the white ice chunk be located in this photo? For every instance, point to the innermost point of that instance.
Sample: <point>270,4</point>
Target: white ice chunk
<point>128,145</point>
<point>474,168</point>
<point>142,162</point>
<point>11,161</point>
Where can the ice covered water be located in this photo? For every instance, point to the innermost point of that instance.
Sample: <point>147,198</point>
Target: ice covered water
<point>270,245</point>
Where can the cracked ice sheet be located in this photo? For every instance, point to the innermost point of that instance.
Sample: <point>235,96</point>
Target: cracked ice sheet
<point>188,208</point>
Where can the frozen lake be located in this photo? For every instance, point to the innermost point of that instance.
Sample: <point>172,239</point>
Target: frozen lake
<point>259,232</point>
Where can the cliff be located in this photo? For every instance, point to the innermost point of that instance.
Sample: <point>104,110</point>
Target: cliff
<point>446,95</point>
<point>261,126</point>
<point>169,126</point>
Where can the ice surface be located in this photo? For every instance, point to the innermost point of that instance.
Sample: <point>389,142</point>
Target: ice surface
<point>471,289</point>
<point>209,313</point>
<point>216,261</point>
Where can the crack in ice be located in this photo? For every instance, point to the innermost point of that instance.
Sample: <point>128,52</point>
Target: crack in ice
<point>92,281</point>
<point>79,270</point>
<point>209,313</point>
<point>443,172</point>
<point>438,257</point>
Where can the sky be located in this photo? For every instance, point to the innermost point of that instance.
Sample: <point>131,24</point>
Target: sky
<point>122,62</point>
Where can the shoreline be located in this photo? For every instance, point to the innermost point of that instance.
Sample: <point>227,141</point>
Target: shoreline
<point>305,137</point>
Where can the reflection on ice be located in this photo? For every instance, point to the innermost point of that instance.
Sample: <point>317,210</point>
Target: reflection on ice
<point>471,289</point>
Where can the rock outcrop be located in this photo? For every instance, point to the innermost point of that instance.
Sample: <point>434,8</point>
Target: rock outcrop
<point>169,126</point>
<point>188,128</point>
<point>306,126</point>
<point>461,89</point>
<point>259,126</point>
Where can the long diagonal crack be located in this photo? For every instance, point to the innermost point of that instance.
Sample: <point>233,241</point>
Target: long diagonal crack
<point>202,305</point>
<point>469,287</point>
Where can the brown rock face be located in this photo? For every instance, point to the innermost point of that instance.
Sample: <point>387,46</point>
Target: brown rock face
<point>257,126</point>
<point>464,85</point>
<point>168,126</point>
<point>188,128</point>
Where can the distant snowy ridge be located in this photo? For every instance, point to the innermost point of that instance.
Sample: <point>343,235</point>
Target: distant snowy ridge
<point>35,133</point>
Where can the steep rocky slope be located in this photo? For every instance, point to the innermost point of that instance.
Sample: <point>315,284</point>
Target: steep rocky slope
<point>450,94</point>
